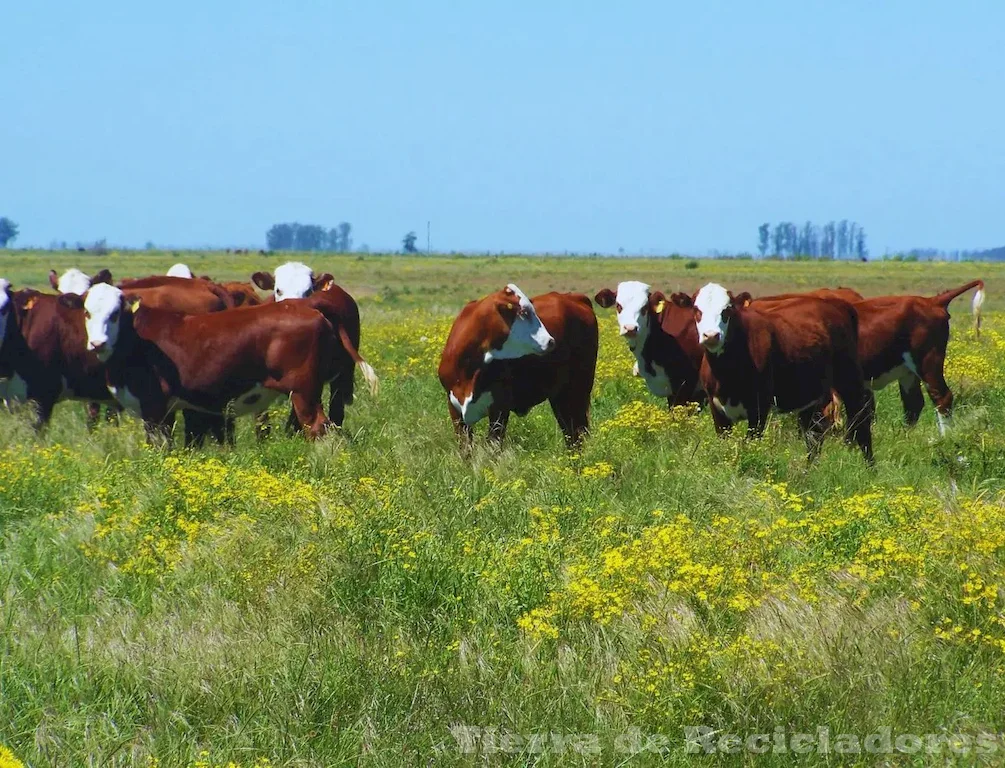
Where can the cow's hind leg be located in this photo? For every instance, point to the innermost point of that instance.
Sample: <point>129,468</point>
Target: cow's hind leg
<point>859,410</point>
<point>912,398</point>
<point>931,370</point>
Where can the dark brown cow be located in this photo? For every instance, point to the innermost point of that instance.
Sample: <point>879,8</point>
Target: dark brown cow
<point>222,363</point>
<point>789,354</point>
<point>507,353</point>
<point>661,335</point>
<point>43,354</point>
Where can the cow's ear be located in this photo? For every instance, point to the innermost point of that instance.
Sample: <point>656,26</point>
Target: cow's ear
<point>70,301</point>
<point>133,304</point>
<point>605,298</point>
<point>681,300</point>
<point>657,302</point>
<point>104,276</point>
<point>264,280</point>
<point>207,278</point>
<point>54,279</point>
<point>742,299</point>
<point>324,282</point>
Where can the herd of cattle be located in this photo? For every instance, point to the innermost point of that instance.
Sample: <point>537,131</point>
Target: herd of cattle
<point>176,342</point>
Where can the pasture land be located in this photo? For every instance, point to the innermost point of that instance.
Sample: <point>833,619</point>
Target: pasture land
<point>349,601</point>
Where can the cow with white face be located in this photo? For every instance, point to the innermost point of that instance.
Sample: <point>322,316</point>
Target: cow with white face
<point>76,282</point>
<point>506,352</point>
<point>292,280</point>
<point>713,309</point>
<point>661,335</point>
<point>102,315</point>
<point>180,270</point>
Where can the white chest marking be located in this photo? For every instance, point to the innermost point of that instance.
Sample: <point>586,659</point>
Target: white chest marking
<point>658,381</point>
<point>472,411</point>
<point>126,399</point>
<point>732,412</point>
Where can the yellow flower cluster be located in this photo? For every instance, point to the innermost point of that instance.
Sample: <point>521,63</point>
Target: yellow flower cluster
<point>647,417</point>
<point>204,761</point>
<point>896,542</point>
<point>7,759</point>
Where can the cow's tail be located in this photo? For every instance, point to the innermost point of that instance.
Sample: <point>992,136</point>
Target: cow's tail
<point>978,303</point>
<point>365,368</point>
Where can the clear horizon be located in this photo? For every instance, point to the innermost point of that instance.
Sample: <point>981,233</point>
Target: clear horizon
<point>651,128</point>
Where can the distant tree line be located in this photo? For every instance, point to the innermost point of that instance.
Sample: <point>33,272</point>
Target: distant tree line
<point>8,231</point>
<point>309,237</point>
<point>834,240</point>
<point>935,254</point>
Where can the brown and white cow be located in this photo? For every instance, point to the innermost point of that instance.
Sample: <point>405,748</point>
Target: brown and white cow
<point>661,335</point>
<point>43,359</point>
<point>506,353</point>
<point>75,281</point>
<point>224,363</point>
<point>295,281</point>
<point>904,339</point>
<point>789,354</point>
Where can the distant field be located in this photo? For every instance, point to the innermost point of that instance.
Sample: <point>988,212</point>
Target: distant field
<point>352,601</point>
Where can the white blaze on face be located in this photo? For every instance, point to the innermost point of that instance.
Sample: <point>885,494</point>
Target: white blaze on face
<point>293,281</point>
<point>102,314</point>
<point>633,322</point>
<point>527,335</point>
<point>73,281</point>
<point>180,270</point>
<point>710,303</point>
<point>6,307</point>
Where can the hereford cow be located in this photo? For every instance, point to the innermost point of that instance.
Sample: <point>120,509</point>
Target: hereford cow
<point>43,356</point>
<point>75,281</point>
<point>179,270</point>
<point>788,353</point>
<point>904,339</point>
<point>661,335</point>
<point>226,363</point>
<point>506,352</point>
<point>296,281</point>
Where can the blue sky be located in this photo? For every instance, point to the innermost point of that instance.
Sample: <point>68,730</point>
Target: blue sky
<point>519,126</point>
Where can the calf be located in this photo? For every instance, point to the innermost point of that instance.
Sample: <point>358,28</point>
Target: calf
<point>786,353</point>
<point>229,363</point>
<point>661,335</point>
<point>294,281</point>
<point>43,355</point>
<point>75,281</point>
<point>506,353</point>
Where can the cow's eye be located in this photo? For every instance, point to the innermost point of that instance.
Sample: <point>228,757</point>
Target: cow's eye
<point>278,292</point>
<point>697,314</point>
<point>617,307</point>
<point>87,315</point>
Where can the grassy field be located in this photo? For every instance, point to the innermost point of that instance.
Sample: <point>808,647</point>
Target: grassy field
<point>363,599</point>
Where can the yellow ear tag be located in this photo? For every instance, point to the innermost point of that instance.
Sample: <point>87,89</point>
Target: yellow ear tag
<point>659,307</point>
<point>134,305</point>
<point>30,303</point>
<point>509,306</point>
<point>746,302</point>
<point>328,285</point>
